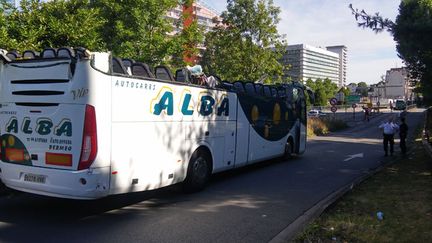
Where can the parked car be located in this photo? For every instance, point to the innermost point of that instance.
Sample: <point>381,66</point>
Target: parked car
<point>316,113</point>
<point>400,105</point>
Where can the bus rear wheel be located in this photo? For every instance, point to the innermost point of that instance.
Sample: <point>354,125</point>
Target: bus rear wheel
<point>198,173</point>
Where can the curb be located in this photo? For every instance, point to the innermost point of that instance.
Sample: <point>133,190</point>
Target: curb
<point>308,216</point>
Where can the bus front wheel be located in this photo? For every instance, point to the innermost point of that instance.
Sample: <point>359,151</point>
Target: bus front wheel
<point>198,173</point>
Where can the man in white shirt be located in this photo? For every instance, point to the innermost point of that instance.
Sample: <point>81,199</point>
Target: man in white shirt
<point>389,129</point>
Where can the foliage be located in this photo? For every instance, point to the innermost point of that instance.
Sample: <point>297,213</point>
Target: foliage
<point>362,84</point>
<point>362,89</point>
<point>375,22</point>
<point>137,28</point>
<point>324,90</point>
<point>412,32</point>
<point>321,126</point>
<point>186,43</point>
<point>42,24</point>
<point>346,91</point>
<point>246,45</point>
<point>315,126</point>
<point>71,23</point>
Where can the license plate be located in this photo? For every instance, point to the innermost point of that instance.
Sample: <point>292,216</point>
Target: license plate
<point>34,178</point>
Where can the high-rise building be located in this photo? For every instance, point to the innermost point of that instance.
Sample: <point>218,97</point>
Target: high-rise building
<point>311,62</point>
<point>196,10</point>
<point>342,52</point>
<point>203,13</point>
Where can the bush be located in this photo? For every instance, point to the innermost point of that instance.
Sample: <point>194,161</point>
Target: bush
<point>322,126</point>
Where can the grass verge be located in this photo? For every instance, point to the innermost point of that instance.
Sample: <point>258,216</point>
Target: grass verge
<point>402,192</point>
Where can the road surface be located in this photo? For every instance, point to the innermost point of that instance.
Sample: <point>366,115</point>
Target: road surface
<point>252,204</point>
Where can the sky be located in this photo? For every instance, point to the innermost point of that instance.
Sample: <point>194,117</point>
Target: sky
<point>323,23</point>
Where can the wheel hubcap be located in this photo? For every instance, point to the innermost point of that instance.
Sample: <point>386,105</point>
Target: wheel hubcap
<point>200,169</point>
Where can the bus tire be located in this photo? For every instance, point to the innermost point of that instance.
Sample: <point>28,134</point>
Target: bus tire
<point>289,148</point>
<point>198,172</point>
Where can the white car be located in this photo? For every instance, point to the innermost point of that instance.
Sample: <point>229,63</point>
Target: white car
<point>316,113</point>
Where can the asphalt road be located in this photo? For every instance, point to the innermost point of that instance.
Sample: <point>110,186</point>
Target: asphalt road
<point>252,204</point>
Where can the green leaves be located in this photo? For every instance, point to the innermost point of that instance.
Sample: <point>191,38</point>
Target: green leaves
<point>246,45</point>
<point>135,29</point>
<point>56,23</point>
<point>324,90</point>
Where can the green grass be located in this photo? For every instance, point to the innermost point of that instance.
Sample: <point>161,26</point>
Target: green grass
<point>402,191</point>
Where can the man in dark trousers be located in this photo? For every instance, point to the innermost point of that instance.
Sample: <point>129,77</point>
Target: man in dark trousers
<point>403,131</point>
<point>389,129</point>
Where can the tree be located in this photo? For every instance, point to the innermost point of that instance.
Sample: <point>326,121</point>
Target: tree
<point>324,90</point>
<point>187,41</point>
<point>362,89</point>
<point>72,23</point>
<point>246,45</point>
<point>37,25</point>
<point>346,91</point>
<point>137,28</point>
<point>412,32</point>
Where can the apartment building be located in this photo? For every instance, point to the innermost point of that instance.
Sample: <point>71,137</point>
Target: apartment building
<point>311,62</point>
<point>342,52</point>
<point>397,84</point>
<point>203,13</point>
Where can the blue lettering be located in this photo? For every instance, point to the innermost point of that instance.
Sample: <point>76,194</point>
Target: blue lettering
<point>26,126</point>
<point>44,127</point>
<point>224,107</point>
<point>12,125</point>
<point>207,103</point>
<point>185,105</point>
<point>166,102</point>
<point>65,127</point>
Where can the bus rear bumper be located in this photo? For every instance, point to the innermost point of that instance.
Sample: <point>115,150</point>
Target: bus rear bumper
<point>84,184</point>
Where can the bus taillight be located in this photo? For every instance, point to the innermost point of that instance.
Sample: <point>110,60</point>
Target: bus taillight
<point>89,142</point>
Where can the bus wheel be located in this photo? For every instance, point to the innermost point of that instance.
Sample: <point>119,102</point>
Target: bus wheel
<point>198,173</point>
<point>289,147</point>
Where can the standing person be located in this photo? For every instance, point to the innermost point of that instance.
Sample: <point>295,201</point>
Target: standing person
<point>403,131</point>
<point>389,129</point>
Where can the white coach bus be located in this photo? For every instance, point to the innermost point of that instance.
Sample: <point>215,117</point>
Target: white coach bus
<point>82,125</point>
